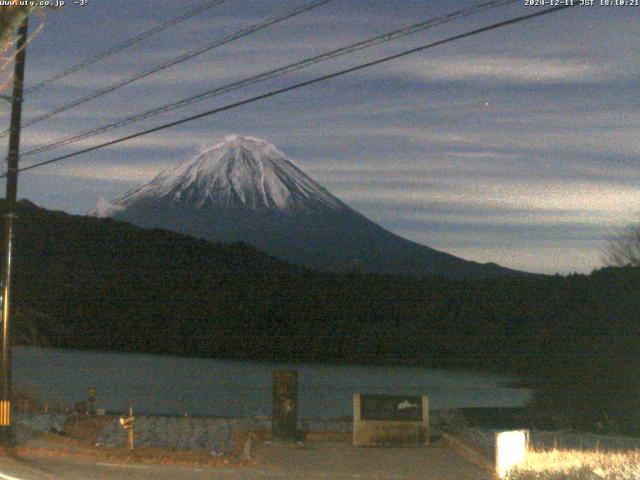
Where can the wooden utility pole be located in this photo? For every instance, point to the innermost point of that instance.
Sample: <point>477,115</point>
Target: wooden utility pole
<point>6,436</point>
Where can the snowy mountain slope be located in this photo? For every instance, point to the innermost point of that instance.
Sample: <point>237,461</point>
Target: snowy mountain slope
<point>238,172</point>
<point>245,189</point>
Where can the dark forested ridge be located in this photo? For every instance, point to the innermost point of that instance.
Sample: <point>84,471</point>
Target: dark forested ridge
<point>100,284</point>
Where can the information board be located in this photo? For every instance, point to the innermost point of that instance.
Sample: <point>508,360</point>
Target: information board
<point>390,420</point>
<point>391,407</point>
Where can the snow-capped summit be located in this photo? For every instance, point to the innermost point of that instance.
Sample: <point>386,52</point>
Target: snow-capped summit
<point>245,189</point>
<point>238,172</point>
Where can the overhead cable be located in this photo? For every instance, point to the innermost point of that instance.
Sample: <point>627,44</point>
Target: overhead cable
<point>174,61</point>
<point>296,86</point>
<point>126,44</point>
<point>307,62</point>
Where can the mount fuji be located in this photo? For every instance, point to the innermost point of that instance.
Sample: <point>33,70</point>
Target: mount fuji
<point>245,189</point>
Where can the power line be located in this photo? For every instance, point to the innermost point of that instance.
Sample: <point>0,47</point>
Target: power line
<point>126,44</point>
<point>299,85</point>
<point>370,42</point>
<point>182,58</point>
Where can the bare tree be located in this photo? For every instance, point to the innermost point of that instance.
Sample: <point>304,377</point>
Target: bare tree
<point>623,248</point>
<point>10,19</point>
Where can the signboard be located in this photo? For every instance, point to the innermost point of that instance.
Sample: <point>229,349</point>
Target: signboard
<point>285,406</point>
<point>392,420</point>
<point>391,407</point>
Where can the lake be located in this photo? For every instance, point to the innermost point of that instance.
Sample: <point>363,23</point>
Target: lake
<point>168,385</point>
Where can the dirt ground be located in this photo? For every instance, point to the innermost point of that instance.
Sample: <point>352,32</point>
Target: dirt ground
<point>313,461</point>
<point>75,455</point>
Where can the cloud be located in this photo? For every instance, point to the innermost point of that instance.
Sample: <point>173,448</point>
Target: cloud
<point>505,69</point>
<point>508,148</point>
<point>560,257</point>
<point>105,208</point>
<point>156,141</point>
<point>613,202</point>
<point>127,173</point>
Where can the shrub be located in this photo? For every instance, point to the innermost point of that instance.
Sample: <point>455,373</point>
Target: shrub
<point>578,465</point>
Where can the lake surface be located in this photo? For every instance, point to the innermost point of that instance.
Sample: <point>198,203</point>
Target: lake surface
<point>175,386</point>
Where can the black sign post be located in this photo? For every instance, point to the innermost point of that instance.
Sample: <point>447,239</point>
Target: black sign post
<point>285,406</point>
<point>91,398</point>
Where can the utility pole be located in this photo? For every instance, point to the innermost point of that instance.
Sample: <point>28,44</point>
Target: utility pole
<point>6,436</point>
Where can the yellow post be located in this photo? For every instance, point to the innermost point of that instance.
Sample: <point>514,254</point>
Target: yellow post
<point>5,413</point>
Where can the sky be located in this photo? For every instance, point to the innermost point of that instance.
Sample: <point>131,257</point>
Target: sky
<point>518,146</point>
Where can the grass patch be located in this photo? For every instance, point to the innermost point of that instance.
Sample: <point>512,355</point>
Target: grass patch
<point>578,465</point>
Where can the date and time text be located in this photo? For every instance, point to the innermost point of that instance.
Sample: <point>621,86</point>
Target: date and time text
<point>582,3</point>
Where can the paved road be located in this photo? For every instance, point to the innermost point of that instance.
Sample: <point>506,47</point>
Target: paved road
<point>341,461</point>
<point>334,461</point>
